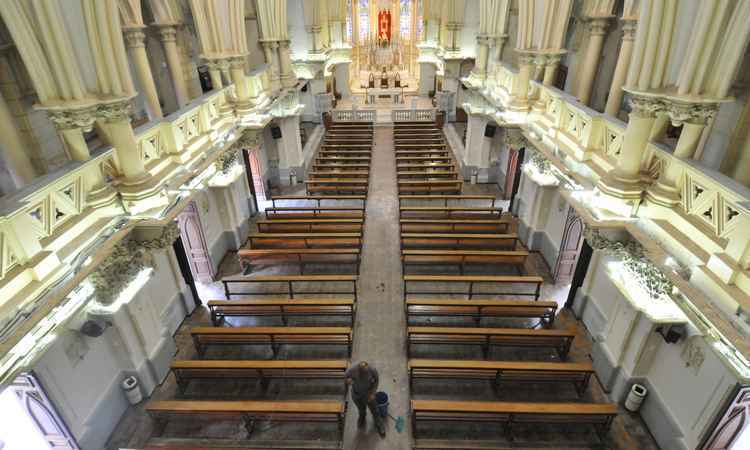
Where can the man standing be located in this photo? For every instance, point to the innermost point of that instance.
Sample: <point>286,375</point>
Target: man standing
<point>363,380</point>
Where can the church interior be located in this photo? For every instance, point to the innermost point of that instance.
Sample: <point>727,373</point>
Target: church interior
<point>530,217</point>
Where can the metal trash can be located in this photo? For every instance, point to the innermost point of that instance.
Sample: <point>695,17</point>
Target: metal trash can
<point>381,403</point>
<point>132,390</point>
<point>635,397</point>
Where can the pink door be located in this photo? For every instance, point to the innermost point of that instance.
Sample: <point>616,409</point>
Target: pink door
<point>510,174</point>
<point>195,244</point>
<point>42,413</point>
<point>570,248</point>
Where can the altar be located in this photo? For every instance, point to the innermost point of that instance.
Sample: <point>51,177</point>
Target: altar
<point>396,94</point>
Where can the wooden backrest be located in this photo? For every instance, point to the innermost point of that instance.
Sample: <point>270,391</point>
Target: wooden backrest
<point>245,406</point>
<point>576,408</point>
<point>197,364</point>
<point>500,365</point>
<point>277,331</point>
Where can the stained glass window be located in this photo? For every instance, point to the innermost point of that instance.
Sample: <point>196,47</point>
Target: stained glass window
<point>405,19</point>
<point>364,19</point>
<point>349,21</point>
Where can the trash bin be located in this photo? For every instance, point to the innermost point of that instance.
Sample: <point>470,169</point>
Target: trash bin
<point>132,390</point>
<point>635,397</point>
<point>381,403</point>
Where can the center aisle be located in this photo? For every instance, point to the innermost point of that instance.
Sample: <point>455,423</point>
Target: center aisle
<point>379,334</point>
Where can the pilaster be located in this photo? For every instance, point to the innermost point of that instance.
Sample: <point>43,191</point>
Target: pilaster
<point>168,36</point>
<point>597,32</point>
<point>135,42</point>
<point>614,100</point>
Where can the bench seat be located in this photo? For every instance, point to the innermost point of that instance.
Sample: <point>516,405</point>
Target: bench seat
<point>338,174</point>
<point>450,212</point>
<point>310,226</point>
<point>559,340</point>
<point>423,174</point>
<point>454,225</point>
<point>272,336</point>
<point>458,241</point>
<point>301,256</point>
<point>462,258</point>
<point>305,240</point>
<point>289,284</point>
<point>436,281</point>
<point>221,309</point>
<point>478,309</point>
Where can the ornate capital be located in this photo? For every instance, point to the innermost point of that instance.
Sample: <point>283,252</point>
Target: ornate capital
<point>236,62</point>
<point>115,111</point>
<point>167,32</point>
<point>514,138</point>
<point>644,106</point>
<point>485,39</point>
<point>696,113</point>
<point>134,37</point>
<point>249,139</point>
<point>68,119</point>
<point>216,64</point>
<point>598,25</point>
<point>525,57</point>
<point>629,27</point>
<point>228,160</point>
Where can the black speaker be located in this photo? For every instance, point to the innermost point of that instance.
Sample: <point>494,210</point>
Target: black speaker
<point>304,88</point>
<point>276,132</point>
<point>489,131</point>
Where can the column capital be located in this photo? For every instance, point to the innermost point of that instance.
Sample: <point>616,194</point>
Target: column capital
<point>694,113</point>
<point>115,111</point>
<point>514,138</point>
<point>597,25</point>
<point>236,61</point>
<point>135,36</point>
<point>485,39</point>
<point>72,117</point>
<point>629,27</point>
<point>213,63</point>
<point>525,57</point>
<point>249,139</point>
<point>644,106</point>
<point>167,31</point>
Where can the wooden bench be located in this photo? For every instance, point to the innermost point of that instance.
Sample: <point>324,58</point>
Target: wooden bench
<point>354,134</point>
<point>426,166</point>
<point>339,159</point>
<point>478,309</point>
<point>305,240</point>
<point>344,152</point>
<point>337,185</point>
<point>271,336</point>
<point>289,282</point>
<point>455,225</point>
<point>498,371</point>
<point>450,212</point>
<point>283,308</point>
<point>423,174</point>
<point>300,256</point>
<point>599,415</point>
<point>457,241</point>
<point>471,281</point>
<point>185,370</point>
<point>463,258</point>
<point>427,158</point>
<point>338,166</point>
<point>350,145</point>
<point>318,199</point>
<point>316,212</point>
<point>422,186</point>
<point>421,147</point>
<point>559,340</point>
<point>310,226</point>
<point>249,412</point>
<point>338,174</point>
<point>445,199</point>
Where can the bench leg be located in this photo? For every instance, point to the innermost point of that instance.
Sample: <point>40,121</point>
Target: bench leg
<point>160,423</point>
<point>249,425</point>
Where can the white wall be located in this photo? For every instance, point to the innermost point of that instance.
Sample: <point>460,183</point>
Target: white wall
<point>301,39</point>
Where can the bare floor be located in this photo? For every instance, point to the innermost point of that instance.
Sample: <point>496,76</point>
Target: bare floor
<point>379,338</point>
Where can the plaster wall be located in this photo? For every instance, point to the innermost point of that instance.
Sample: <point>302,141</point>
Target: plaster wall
<point>301,39</point>
<point>542,212</point>
<point>468,38</point>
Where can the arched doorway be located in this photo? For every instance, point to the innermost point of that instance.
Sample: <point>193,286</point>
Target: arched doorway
<point>570,248</point>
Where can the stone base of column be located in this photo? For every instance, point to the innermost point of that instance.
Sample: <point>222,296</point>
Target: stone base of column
<point>242,107</point>
<point>102,197</point>
<point>620,196</point>
<point>663,195</point>
<point>143,197</point>
<point>518,105</point>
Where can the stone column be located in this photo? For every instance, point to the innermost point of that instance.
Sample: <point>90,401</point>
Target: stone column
<point>114,118</point>
<point>621,69</point>
<point>597,31</point>
<point>288,78</point>
<point>483,51</point>
<point>521,81</point>
<point>272,59</point>
<point>316,38</point>
<point>625,182</point>
<point>477,151</point>
<point>550,69</point>
<point>135,40</point>
<point>693,118</point>
<point>241,84</point>
<point>13,148</point>
<point>290,149</point>
<point>168,36</point>
<point>498,48</point>
<point>741,171</point>
<point>214,71</point>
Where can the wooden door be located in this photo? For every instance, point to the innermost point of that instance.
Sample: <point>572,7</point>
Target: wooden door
<point>570,247</point>
<point>42,412</point>
<point>728,428</point>
<point>510,172</point>
<point>194,241</point>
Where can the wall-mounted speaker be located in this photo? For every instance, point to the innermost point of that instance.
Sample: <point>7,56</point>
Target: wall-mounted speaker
<point>275,132</point>
<point>304,88</point>
<point>489,131</point>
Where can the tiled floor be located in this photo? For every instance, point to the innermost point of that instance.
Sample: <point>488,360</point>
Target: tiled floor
<point>379,338</point>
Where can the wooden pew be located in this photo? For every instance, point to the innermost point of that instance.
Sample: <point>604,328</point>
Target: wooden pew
<point>310,226</point>
<point>185,370</point>
<point>422,186</point>
<point>300,256</point>
<point>470,281</point>
<point>445,199</point>
<point>337,185</point>
<point>343,153</point>
<point>318,199</point>
<point>271,336</point>
<point>498,371</point>
<point>249,412</point>
<point>599,415</point>
<point>338,174</point>
<point>305,240</point>
<point>315,212</point>
<point>463,258</point>
<point>289,283</point>
<point>423,159</point>
<point>427,166</point>
<point>457,241</point>
<point>455,225</point>
<point>348,146</point>
<point>420,174</point>
<point>420,146</point>
<point>341,166</point>
<point>559,340</point>
<point>283,308</point>
<point>449,212</point>
<point>425,152</point>
<point>342,159</point>
<point>479,309</point>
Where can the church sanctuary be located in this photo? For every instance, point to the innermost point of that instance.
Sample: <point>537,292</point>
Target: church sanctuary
<point>374,224</point>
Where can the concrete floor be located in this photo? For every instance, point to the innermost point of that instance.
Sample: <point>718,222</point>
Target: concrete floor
<point>380,339</point>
